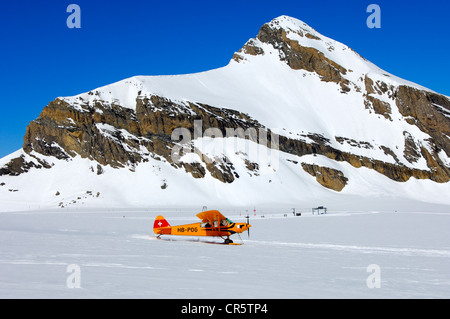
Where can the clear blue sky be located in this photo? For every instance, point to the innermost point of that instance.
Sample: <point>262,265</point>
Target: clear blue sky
<point>41,58</point>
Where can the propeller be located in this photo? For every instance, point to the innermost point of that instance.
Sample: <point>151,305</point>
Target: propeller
<point>248,228</point>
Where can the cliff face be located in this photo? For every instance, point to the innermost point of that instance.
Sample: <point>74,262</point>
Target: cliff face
<point>120,137</point>
<point>123,134</point>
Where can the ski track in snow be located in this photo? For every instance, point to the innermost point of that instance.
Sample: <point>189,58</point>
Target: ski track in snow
<point>361,249</point>
<point>349,248</point>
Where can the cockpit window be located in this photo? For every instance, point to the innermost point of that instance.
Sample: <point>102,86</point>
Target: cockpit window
<point>223,222</point>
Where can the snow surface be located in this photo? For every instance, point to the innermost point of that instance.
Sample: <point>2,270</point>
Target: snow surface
<point>311,256</point>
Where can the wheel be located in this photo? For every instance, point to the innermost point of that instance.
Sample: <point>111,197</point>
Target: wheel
<point>228,241</point>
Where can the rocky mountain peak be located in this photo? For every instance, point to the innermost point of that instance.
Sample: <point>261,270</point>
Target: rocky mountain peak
<point>301,48</point>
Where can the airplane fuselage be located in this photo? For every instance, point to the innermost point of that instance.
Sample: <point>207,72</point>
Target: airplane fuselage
<point>199,229</point>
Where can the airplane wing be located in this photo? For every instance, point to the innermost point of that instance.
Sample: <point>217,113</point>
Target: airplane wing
<point>210,216</point>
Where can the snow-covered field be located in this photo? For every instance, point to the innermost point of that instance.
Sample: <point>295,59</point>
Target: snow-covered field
<point>114,254</point>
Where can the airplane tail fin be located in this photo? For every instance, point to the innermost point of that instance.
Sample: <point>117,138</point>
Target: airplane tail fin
<point>160,222</point>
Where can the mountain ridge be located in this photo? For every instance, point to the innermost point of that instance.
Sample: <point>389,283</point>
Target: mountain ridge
<point>313,95</point>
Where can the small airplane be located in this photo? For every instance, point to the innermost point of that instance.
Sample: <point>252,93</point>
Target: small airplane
<point>213,223</point>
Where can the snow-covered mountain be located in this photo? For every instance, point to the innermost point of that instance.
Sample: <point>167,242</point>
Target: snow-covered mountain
<point>295,118</point>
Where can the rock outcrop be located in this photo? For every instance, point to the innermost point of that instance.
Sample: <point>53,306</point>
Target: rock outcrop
<point>327,177</point>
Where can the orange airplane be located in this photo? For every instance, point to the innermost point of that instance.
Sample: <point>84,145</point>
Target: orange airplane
<point>213,224</point>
